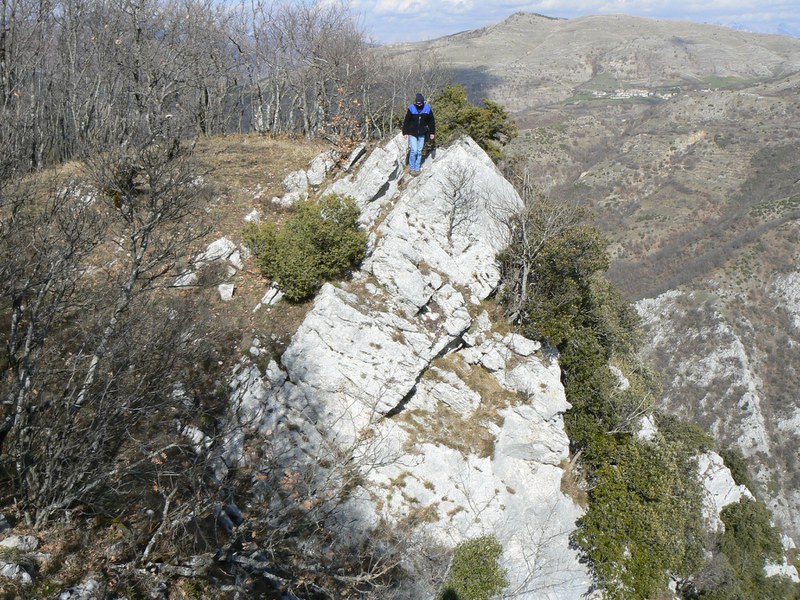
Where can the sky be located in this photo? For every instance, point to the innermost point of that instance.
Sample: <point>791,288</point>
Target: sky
<point>388,21</point>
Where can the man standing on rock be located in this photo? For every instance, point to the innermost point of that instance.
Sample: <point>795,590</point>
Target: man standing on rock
<point>418,124</point>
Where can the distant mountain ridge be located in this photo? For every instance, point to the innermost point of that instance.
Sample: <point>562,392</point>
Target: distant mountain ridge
<point>529,60</point>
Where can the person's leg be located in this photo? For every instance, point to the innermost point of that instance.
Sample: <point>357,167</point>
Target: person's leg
<point>412,145</point>
<point>415,152</point>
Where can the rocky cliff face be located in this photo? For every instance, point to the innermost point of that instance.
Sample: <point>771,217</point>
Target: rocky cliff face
<point>704,348</point>
<point>453,418</point>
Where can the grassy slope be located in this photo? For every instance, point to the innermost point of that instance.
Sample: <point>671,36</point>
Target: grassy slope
<point>248,171</point>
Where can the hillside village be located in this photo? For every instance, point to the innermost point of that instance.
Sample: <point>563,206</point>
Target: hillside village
<point>464,407</point>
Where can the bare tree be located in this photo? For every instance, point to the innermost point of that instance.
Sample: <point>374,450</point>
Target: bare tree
<point>549,565</point>
<point>462,198</point>
<point>90,352</point>
<point>540,220</point>
<point>79,76</point>
<point>400,78</point>
<point>44,246</point>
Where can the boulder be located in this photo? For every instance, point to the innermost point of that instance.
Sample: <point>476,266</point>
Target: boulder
<point>221,250</point>
<point>320,167</point>
<point>355,155</point>
<point>21,543</point>
<point>226,291</point>
<point>4,524</point>
<point>296,182</point>
<point>272,296</point>
<point>14,571</point>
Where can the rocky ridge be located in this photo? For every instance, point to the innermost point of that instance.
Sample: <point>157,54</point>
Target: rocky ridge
<point>464,420</point>
<point>454,422</point>
<point>457,419</point>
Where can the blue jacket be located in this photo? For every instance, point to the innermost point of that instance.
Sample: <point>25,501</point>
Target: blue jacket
<point>419,121</point>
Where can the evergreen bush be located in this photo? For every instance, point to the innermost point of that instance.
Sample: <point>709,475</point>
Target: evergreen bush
<point>737,570</point>
<point>489,125</point>
<point>475,573</point>
<point>321,241</point>
<point>688,435</point>
<point>749,539</point>
<point>736,462</point>
<point>644,523</point>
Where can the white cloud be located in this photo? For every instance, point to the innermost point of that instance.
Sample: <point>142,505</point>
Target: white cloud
<point>399,6</point>
<point>420,7</point>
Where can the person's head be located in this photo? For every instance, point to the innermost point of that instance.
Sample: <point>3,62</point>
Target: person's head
<point>419,100</point>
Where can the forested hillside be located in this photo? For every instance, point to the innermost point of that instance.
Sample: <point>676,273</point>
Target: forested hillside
<point>77,77</point>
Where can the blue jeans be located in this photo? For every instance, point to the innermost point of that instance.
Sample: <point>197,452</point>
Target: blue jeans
<point>415,145</point>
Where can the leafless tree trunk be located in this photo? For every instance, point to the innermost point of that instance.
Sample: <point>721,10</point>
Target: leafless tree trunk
<point>540,220</point>
<point>462,198</point>
<point>77,76</point>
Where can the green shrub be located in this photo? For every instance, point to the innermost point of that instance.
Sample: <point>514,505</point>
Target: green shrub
<point>737,570</point>
<point>573,307</point>
<point>475,573</point>
<point>688,435</point>
<point>321,241</point>
<point>749,538</point>
<point>489,125</point>
<point>644,521</point>
<point>737,463</point>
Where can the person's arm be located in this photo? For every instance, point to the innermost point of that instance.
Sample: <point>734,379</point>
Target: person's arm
<point>432,125</point>
<point>407,123</point>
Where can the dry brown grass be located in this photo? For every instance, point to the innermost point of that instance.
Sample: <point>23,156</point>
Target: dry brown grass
<point>241,173</point>
<point>248,171</point>
<point>494,396</point>
<point>422,514</point>
<point>235,167</point>
<point>571,485</point>
<point>496,311</point>
<point>467,433</point>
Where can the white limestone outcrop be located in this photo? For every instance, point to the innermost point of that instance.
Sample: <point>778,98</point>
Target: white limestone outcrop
<point>453,419</point>
<point>786,290</point>
<point>720,489</point>
<point>222,252</point>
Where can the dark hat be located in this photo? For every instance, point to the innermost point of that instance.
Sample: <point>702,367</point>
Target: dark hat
<point>420,99</point>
